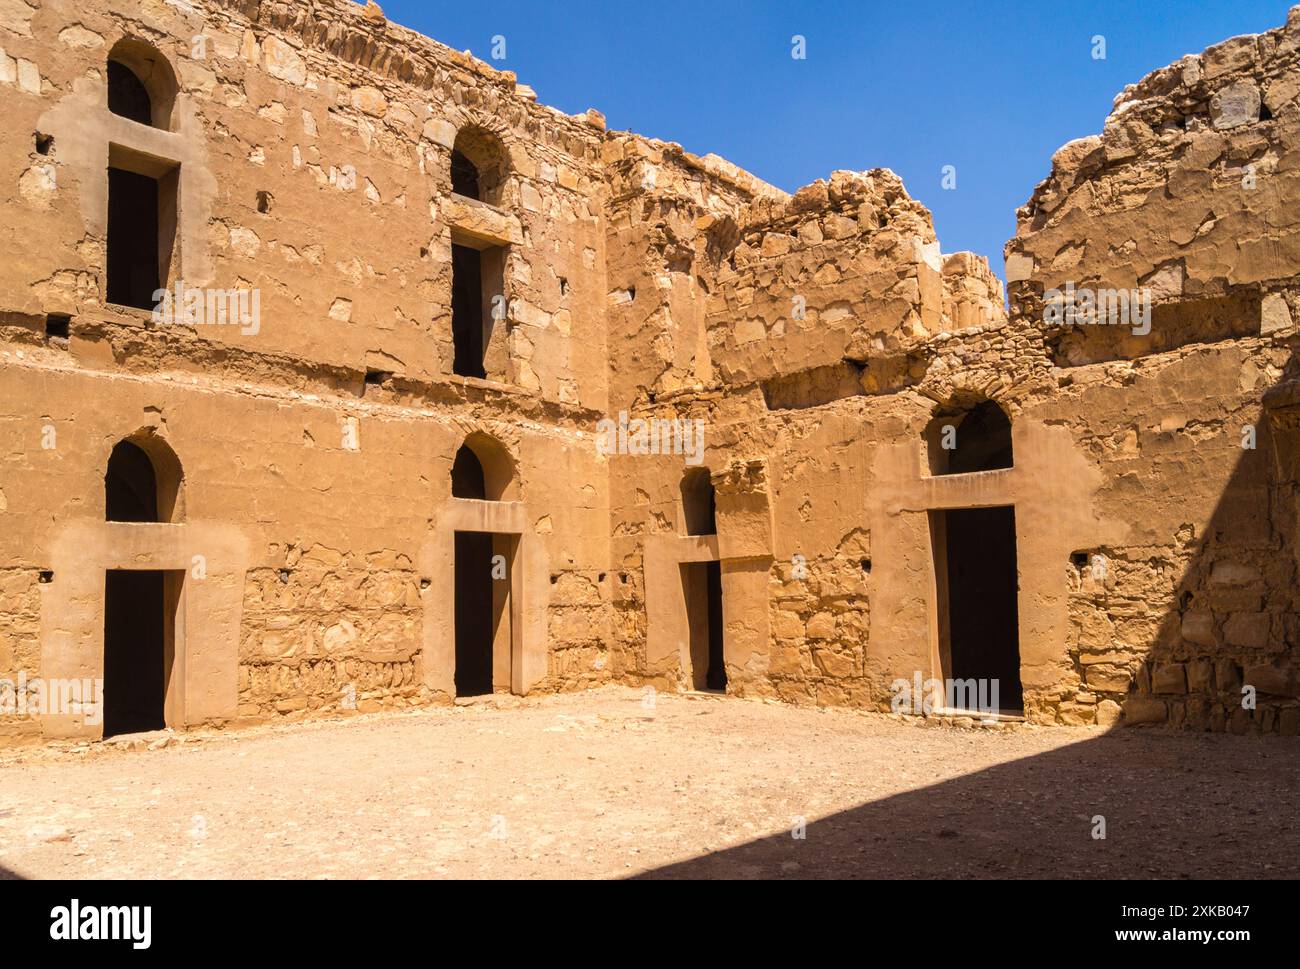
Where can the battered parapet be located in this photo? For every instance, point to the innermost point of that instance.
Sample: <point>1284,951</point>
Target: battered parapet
<point>1188,195</point>
<point>845,270</point>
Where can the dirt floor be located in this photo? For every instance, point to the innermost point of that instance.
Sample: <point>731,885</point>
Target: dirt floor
<point>603,784</point>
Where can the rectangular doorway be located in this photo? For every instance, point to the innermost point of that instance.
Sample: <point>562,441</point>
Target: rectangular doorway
<point>483,605</point>
<point>477,305</point>
<point>977,585</point>
<point>143,210</point>
<point>702,585</point>
<point>140,610</point>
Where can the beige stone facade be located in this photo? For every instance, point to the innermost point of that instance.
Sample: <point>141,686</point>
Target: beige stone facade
<point>305,533</point>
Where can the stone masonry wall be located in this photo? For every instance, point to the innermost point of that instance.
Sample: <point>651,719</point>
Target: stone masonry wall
<point>817,338</point>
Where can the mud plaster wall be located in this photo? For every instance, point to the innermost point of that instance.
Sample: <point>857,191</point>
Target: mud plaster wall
<point>1189,190</point>
<point>328,593</point>
<point>1127,447</point>
<point>643,279</point>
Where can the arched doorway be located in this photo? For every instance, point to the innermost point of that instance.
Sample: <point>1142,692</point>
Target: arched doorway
<point>974,549</point>
<point>141,485</point>
<point>482,470</point>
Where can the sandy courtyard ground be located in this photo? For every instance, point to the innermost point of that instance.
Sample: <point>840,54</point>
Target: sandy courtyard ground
<point>599,785</point>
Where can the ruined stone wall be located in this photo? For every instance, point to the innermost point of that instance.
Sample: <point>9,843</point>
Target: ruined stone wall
<point>1128,445</point>
<point>1190,191</point>
<point>861,259</point>
<point>671,217</point>
<point>848,597</point>
<point>318,137</point>
<point>841,270</point>
<point>793,417</point>
<point>672,220</point>
<point>816,339</point>
<point>314,143</point>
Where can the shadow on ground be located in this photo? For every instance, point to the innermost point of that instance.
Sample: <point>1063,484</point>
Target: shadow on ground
<point>1164,818</point>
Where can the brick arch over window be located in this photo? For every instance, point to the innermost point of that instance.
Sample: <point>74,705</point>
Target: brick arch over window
<point>480,159</point>
<point>141,83</point>
<point>143,481</point>
<point>484,469</point>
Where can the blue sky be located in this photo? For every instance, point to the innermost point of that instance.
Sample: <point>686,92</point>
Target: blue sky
<point>990,88</point>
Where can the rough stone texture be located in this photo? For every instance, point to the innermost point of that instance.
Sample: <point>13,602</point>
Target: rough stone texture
<point>1188,191</point>
<point>817,335</point>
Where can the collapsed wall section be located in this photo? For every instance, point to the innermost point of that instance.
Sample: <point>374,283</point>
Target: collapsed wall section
<point>1182,209</point>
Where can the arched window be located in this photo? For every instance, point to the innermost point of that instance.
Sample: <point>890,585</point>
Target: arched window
<point>467,475</point>
<point>478,165</point>
<point>973,438</point>
<point>699,507</point>
<point>141,84</point>
<point>464,176</point>
<point>483,469</point>
<point>143,190</point>
<point>127,94</point>
<point>142,482</point>
<point>478,267</point>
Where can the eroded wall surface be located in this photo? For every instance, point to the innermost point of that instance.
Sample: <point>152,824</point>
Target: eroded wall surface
<point>812,340</point>
<point>1153,481</point>
<point>1189,190</point>
<point>314,144</point>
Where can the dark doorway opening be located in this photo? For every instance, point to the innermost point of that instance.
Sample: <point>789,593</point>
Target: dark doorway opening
<point>474,610</point>
<point>702,583</point>
<point>137,655</point>
<point>715,677</point>
<point>467,311</point>
<point>978,587</point>
<point>133,239</point>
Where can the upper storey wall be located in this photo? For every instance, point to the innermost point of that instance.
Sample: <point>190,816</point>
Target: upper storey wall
<point>313,142</point>
<point>1190,190</point>
<point>314,148</point>
<point>669,216</point>
<point>848,269</point>
<point>719,279</point>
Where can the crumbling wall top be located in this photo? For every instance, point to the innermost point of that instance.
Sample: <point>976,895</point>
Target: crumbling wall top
<point>365,38</point>
<point>1190,188</point>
